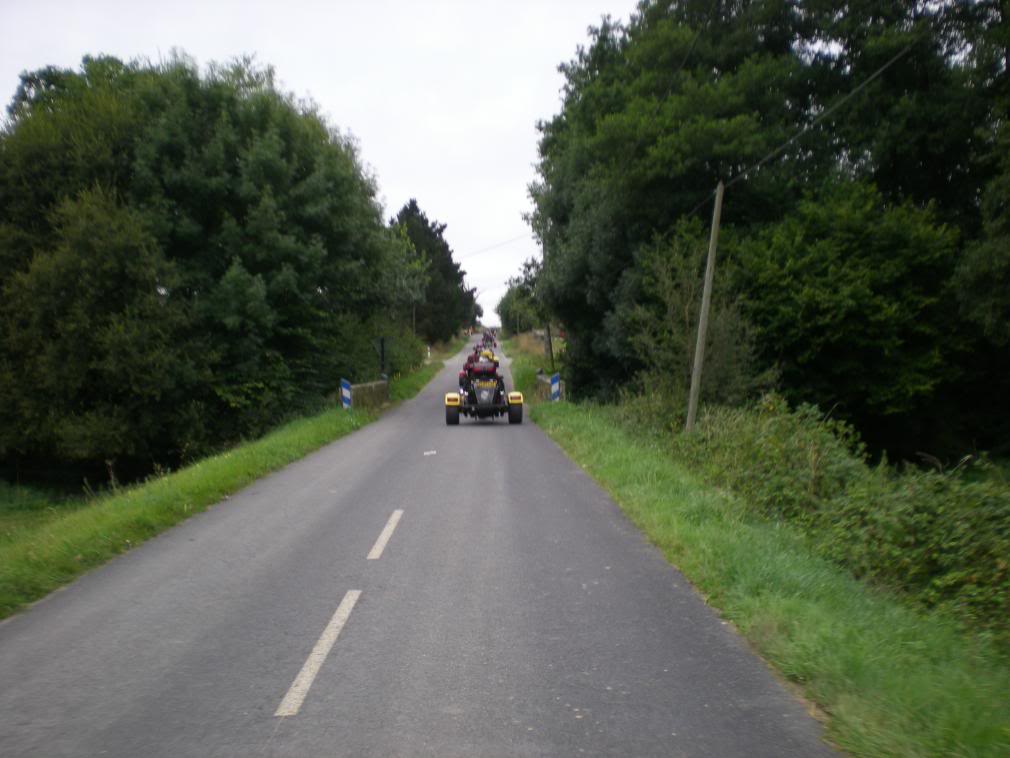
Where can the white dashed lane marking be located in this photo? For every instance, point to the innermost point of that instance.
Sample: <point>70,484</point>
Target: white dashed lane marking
<point>292,701</point>
<point>380,544</point>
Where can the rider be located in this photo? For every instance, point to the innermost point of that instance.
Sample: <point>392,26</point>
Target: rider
<point>488,357</point>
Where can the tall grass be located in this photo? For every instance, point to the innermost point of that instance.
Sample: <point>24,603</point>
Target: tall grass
<point>25,508</point>
<point>524,365</point>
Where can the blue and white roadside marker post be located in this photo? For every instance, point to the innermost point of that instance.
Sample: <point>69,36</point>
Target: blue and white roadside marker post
<point>345,394</point>
<point>555,387</point>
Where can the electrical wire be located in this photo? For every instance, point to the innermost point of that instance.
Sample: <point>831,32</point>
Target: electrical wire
<point>495,246</point>
<point>778,150</point>
<point>687,55</point>
<point>698,207</point>
<point>820,117</point>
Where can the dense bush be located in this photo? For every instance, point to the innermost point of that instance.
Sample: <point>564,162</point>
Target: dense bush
<point>786,463</point>
<point>941,537</point>
<point>937,535</point>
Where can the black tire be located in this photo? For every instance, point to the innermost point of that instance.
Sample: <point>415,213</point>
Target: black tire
<point>516,413</point>
<point>451,415</point>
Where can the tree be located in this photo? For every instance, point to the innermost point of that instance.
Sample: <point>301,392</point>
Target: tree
<point>655,325</point>
<point>184,260</point>
<point>520,308</point>
<point>448,305</point>
<point>845,301</point>
<point>797,106</point>
<point>98,342</point>
<point>653,116</point>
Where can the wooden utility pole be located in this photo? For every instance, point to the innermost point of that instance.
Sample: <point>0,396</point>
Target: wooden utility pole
<point>706,302</point>
<point>547,323</point>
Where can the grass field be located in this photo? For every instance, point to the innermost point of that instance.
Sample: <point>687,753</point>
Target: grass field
<point>889,680</point>
<point>46,541</point>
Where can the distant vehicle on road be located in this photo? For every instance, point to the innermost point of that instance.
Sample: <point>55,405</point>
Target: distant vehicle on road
<point>482,393</point>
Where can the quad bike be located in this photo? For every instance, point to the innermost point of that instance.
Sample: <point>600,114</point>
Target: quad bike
<point>482,395</point>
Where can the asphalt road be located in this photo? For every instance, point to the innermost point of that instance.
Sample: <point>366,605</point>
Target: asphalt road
<point>512,610</point>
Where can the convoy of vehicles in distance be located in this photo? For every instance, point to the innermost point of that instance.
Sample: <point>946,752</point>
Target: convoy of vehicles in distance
<point>481,392</point>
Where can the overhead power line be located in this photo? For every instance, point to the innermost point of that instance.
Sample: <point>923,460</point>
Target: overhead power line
<point>495,246</point>
<point>690,48</point>
<point>687,55</point>
<point>803,130</point>
<point>821,117</point>
<point>699,355</point>
<point>704,202</point>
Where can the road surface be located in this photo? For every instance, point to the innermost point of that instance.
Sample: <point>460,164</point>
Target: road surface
<point>410,590</point>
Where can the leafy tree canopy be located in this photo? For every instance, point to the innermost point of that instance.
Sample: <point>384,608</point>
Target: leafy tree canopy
<point>521,308</point>
<point>184,259</point>
<point>447,304</point>
<point>821,117</point>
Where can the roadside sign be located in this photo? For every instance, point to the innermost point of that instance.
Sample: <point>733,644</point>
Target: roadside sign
<point>556,387</point>
<point>345,394</point>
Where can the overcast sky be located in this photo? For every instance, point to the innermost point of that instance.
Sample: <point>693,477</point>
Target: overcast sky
<point>442,96</point>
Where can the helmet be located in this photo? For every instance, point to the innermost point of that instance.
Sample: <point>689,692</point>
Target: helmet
<point>487,354</point>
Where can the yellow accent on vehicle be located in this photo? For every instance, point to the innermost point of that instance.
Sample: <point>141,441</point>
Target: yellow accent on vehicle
<point>515,398</point>
<point>452,398</point>
<point>486,384</point>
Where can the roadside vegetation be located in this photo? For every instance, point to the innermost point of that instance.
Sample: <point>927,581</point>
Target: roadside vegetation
<point>864,253</point>
<point>813,555</point>
<point>939,538</point>
<point>843,497</point>
<point>525,354</point>
<point>188,259</point>
<point>405,386</point>
<point>47,539</point>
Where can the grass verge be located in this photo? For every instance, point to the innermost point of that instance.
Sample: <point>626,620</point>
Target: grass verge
<point>524,367</point>
<point>891,680</point>
<point>46,543</point>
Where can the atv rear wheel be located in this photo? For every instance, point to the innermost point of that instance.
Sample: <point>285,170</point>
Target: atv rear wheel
<point>516,413</point>
<point>452,415</point>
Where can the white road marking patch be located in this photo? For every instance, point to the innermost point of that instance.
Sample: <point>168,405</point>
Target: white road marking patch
<point>292,701</point>
<point>380,544</point>
<point>430,452</point>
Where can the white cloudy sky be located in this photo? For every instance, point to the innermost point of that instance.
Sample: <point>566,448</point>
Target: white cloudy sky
<point>442,95</point>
